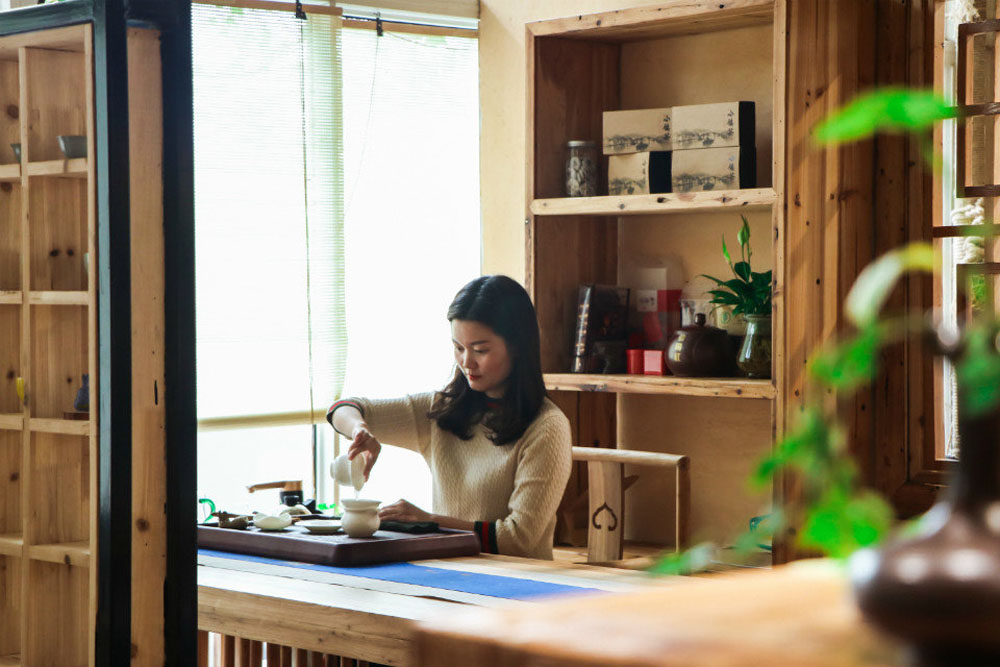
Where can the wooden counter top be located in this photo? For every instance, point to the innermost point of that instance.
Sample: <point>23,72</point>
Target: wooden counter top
<point>800,614</point>
<point>370,619</point>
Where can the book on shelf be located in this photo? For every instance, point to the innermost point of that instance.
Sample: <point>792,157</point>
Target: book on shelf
<point>601,329</point>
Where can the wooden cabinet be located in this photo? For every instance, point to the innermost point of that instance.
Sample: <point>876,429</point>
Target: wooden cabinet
<point>673,54</point>
<point>48,296</point>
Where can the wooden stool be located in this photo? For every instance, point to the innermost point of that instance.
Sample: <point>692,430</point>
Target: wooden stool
<point>606,472</point>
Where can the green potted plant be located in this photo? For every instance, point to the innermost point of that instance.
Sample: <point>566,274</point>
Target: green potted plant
<point>748,294</point>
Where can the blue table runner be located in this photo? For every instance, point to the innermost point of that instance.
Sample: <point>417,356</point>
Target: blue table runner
<point>492,585</point>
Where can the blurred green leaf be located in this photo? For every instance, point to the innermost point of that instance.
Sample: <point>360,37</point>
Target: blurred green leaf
<point>692,560</point>
<point>979,371</point>
<point>840,524</point>
<point>725,252</point>
<point>851,363</point>
<point>885,109</point>
<point>876,281</point>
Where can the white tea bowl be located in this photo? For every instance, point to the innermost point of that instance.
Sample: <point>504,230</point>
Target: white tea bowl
<point>348,472</point>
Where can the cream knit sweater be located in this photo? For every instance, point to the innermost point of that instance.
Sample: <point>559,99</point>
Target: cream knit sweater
<point>514,489</point>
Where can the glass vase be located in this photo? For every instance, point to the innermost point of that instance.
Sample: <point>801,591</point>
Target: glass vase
<point>755,355</point>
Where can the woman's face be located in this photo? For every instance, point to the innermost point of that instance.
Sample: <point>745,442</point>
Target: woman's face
<point>482,356</point>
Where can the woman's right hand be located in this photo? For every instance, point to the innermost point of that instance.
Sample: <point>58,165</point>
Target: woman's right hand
<point>363,442</point>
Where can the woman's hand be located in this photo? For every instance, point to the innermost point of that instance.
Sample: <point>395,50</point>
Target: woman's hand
<point>364,442</point>
<point>402,510</point>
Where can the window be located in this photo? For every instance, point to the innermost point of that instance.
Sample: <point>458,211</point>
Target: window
<point>337,212</point>
<point>970,183</point>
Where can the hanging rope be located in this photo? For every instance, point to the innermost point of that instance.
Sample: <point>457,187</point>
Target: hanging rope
<point>305,203</point>
<point>962,11</point>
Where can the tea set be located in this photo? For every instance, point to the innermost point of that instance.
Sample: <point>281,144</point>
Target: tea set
<point>360,518</point>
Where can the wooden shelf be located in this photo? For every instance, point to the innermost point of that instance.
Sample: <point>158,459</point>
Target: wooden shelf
<point>70,553</point>
<point>12,421</point>
<point>10,297</point>
<point>76,168</point>
<point>656,384</point>
<point>10,544</point>
<point>10,173</point>
<point>76,298</point>
<point>679,202</point>
<point>59,426</point>
<point>681,18</point>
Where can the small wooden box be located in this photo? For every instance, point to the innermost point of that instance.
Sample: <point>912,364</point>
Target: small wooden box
<point>726,124</point>
<point>713,169</point>
<point>637,130</point>
<point>639,173</point>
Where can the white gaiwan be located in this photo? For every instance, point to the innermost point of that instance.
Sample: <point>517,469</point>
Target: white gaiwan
<point>360,517</point>
<point>348,472</point>
<point>272,521</point>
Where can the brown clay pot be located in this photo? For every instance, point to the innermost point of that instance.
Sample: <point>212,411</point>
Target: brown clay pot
<point>698,350</point>
<point>939,590</point>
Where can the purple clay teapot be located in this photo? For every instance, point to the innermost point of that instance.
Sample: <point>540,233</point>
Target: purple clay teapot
<point>698,350</point>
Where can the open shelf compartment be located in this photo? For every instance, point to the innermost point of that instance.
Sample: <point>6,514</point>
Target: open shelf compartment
<point>60,496</point>
<point>11,473</point>
<point>59,597</point>
<point>59,359</point>
<point>11,609</point>
<point>10,359</point>
<point>59,238</point>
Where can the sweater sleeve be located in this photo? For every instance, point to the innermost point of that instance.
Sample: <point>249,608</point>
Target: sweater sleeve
<point>543,470</point>
<point>401,422</point>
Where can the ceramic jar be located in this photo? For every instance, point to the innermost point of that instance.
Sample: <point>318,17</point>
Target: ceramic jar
<point>938,587</point>
<point>581,168</point>
<point>700,351</point>
<point>360,517</point>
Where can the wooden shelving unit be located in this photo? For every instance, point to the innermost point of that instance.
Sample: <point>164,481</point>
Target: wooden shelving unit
<point>48,330</point>
<point>675,53</point>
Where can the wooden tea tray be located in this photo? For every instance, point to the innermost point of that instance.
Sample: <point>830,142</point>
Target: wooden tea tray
<point>339,550</point>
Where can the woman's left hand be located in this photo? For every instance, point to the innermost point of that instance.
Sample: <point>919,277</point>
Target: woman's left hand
<point>402,510</point>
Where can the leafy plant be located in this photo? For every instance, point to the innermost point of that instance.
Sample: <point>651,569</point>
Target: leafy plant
<point>748,291</point>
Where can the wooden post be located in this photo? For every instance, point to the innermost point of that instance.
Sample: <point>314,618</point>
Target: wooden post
<point>682,503</point>
<point>607,502</point>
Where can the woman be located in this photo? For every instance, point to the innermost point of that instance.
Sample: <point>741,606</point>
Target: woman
<point>498,448</point>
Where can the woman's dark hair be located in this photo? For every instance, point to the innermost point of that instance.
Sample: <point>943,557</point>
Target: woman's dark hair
<point>504,306</point>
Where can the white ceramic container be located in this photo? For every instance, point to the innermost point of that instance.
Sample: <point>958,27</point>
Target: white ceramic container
<point>348,472</point>
<point>360,517</point>
<point>271,522</point>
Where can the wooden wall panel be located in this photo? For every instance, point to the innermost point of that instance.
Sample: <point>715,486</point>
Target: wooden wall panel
<point>149,531</point>
<point>829,194</point>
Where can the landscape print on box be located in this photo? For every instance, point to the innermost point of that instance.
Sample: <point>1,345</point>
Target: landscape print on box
<point>637,130</point>
<point>713,169</point>
<point>639,173</point>
<point>713,125</point>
